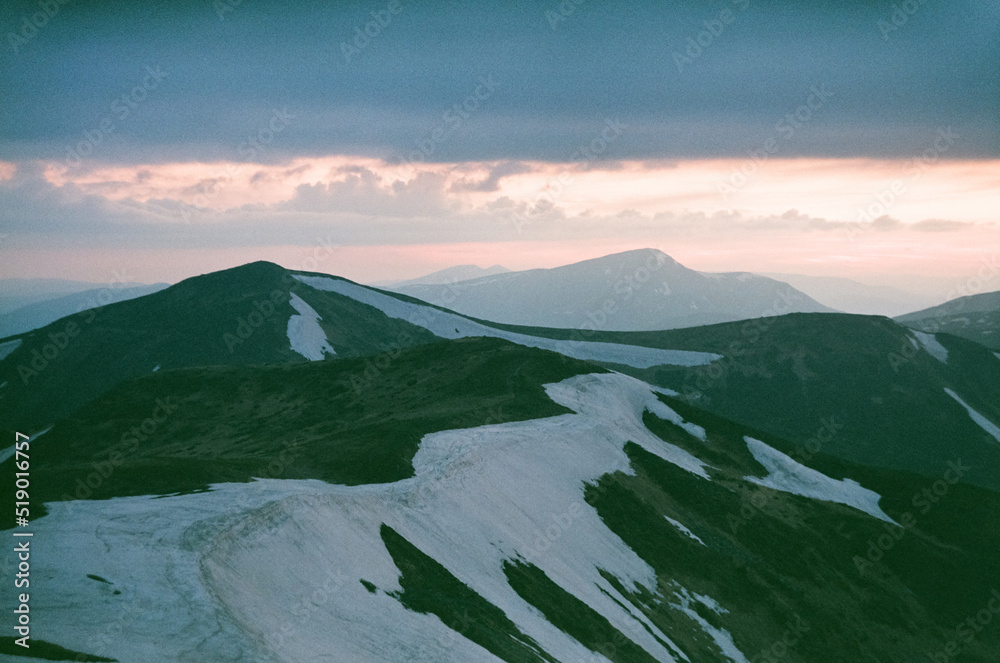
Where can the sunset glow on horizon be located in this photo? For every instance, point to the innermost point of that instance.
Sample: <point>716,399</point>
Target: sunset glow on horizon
<point>802,141</point>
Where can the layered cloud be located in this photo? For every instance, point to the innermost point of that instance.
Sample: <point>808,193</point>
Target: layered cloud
<point>366,202</point>
<point>744,134</point>
<point>263,82</point>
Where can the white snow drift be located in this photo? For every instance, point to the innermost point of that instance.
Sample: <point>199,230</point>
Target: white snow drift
<point>305,334</point>
<point>787,475</point>
<point>932,346</point>
<point>480,497</point>
<point>271,571</point>
<point>450,325</point>
<point>980,420</point>
<point>684,530</point>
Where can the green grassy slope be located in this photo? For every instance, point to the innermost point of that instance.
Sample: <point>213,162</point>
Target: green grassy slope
<point>857,380</point>
<point>232,317</point>
<point>805,580</point>
<point>349,421</point>
<point>974,317</point>
<point>801,580</point>
<point>430,588</point>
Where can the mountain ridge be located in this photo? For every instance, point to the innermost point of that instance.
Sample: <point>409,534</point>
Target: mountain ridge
<point>975,317</point>
<point>638,290</point>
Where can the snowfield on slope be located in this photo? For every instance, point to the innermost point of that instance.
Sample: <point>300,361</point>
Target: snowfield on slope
<point>304,333</point>
<point>790,476</point>
<point>480,497</point>
<point>682,528</point>
<point>451,325</point>
<point>271,571</point>
<point>931,345</point>
<point>980,420</point>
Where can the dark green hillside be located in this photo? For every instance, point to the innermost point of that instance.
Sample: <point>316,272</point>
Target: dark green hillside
<point>429,588</point>
<point>233,317</point>
<point>857,380</point>
<point>784,565</point>
<point>350,421</point>
<point>975,317</point>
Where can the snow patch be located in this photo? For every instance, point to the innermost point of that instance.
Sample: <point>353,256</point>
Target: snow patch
<point>932,346</point>
<point>684,530</point>
<point>665,412</point>
<point>980,420</point>
<point>150,551</point>
<point>787,475</point>
<point>9,347</point>
<point>305,334</point>
<point>156,368</point>
<point>997,355</point>
<point>193,569</point>
<point>722,638</point>
<point>446,324</point>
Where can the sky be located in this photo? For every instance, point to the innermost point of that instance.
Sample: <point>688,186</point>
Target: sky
<point>381,140</point>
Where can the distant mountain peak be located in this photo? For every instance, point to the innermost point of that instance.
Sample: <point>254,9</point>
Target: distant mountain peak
<point>636,290</point>
<point>648,253</point>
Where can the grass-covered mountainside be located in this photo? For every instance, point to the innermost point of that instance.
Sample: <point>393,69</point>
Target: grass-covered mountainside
<point>867,378</point>
<point>765,572</point>
<point>233,317</point>
<point>868,386</point>
<point>819,493</point>
<point>349,421</point>
<point>975,317</point>
<point>38,314</point>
